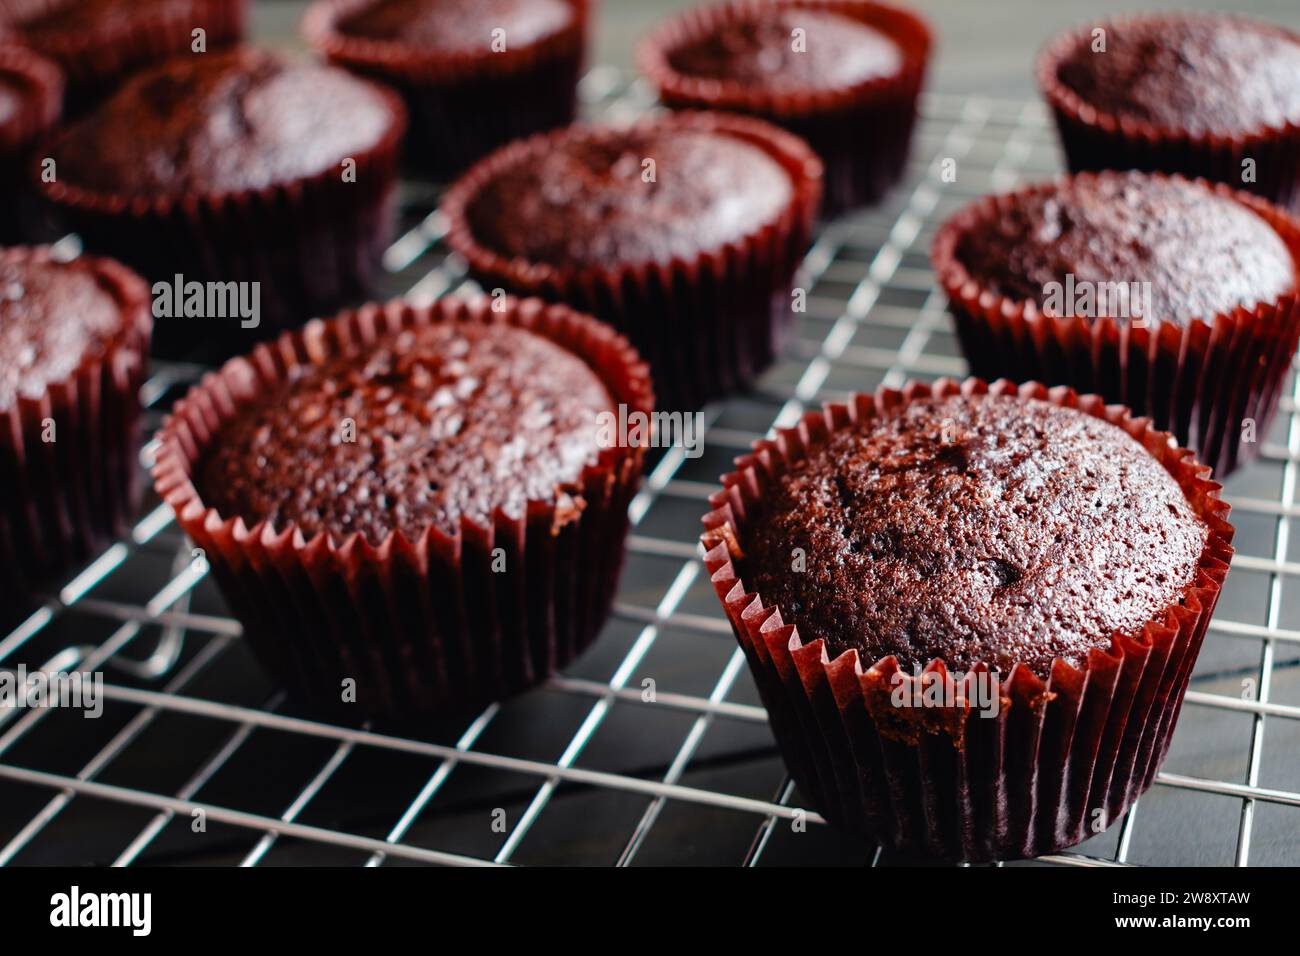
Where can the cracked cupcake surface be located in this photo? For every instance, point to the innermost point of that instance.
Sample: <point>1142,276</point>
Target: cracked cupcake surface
<point>981,528</point>
<point>427,426</point>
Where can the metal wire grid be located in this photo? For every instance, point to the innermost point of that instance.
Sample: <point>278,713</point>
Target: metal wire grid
<point>873,316</point>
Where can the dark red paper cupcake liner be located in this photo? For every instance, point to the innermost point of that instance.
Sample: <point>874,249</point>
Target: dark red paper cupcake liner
<point>95,61</point>
<point>1093,139</point>
<point>1063,758</point>
<point>862,132</point>
<point>38,105</point>
<point>462,105</point>
<point>1200,381</point>
<point>312,244</point>
<point>707,326</point>
<point>426,626</point>
<point>66,499</point>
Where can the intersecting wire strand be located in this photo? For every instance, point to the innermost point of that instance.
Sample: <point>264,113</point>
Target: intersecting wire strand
<point>835,348</point>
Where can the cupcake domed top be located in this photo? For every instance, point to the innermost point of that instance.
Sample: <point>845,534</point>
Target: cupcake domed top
<point>1202,253</point>
<point>223,122</point>
<point>1199,73</point>
<point>776,46</point>
<point>974,528</point>
<point>608,197</point>
<point>422,428</point>
<point>458,26</point>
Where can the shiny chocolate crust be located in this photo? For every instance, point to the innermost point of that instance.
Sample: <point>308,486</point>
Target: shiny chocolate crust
<point>974,529</point>
<point>1198,73</point>
<point>427,426</point>
<point>223,123</point>
<point>758,47</point>
<point>592,199</point>
<point>1203,253</point>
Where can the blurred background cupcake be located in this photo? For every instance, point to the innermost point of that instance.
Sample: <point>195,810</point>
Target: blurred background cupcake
<point>474,73</point>
<point>98,43</point>
<point>843,74</point>
<point>31,100</point>
<point>74,339</point>
<point>1201,95</point>
<point>242,166</point>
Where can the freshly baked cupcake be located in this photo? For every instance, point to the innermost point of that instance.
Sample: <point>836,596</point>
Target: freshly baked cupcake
<point>31,98</point>
<point>427,502</point>
<point>240,166</point>
<point>98,43</point>
<point>1176,298</point>
<point>1198,94</point>
<point>843,74</point>
<point>684,231</point>
<point>73,341</point>
<point>971,610</point>
<point>475,74</point>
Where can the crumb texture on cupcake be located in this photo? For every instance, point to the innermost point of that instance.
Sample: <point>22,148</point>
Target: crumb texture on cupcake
<point>1203,74</point>
<point>446,421</point>
<point>459,26</point>
<point>223,122</point>
<point>759,48</point>
<point>593,199</point>
<point>52,316</point>
<point>979,528</point>
<point>1203,254</point>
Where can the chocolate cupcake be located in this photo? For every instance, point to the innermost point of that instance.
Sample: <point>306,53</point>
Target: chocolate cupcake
<point>843,74</point>
<point>419,500</point>
<point>1175,298</point>
<point>31,98</point>
<point>971,610</point>
<point>1202,95</point>
<point>98,43</point>
<point>73,341</point>
<point>683,231</point>
<point>474,74</point>
<point>236,167</point>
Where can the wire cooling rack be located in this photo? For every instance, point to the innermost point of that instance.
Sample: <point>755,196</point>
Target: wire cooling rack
<point>652,748</point>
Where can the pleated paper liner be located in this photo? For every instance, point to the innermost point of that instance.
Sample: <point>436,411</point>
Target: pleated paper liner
<point>1064,757</point>
<point>312,243</point>
<point>462,105</point>
<point>1201,381</point>
<point>709,325</point>
<point>861,132</point>
<point>38,102</point>
<point>426,626</point>
<point>96,60</point>
<point>67,498</point>
<point>1094,139</point>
